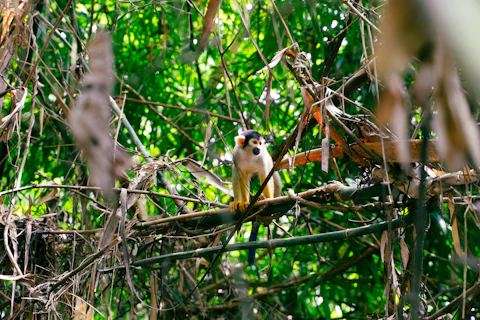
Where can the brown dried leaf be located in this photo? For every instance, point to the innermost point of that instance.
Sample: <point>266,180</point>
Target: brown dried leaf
<point>455,234</point>
<point>208,135</point>
<point>425,81</point>
<point>199,171</point>
<point>120,165</point>
<point>392,110</point>
<point>144,177</point>
<point>277,58</point>
<point>383,245</point>
<point>90,314</point>
<point>390,98</point>
<point>404,252</point>
<point>217,239</point>
<point>404,33</point>
<point>458,27</point>
<point>9,122</point>
<point>80,311</point>
<point>208,132</point>
<point>89,120</point>
<point>101,64</point>
<point>456,129</point>
<point>400,127</point>
<point>50,196</point>
<point>407,33</point>
<point>8,15</point>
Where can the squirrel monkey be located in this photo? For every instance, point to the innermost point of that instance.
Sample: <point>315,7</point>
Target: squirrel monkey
<point>250,158</point>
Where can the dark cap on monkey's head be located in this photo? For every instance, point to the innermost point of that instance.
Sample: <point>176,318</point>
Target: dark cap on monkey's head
<point>251,134</point>
<point>243,139</point>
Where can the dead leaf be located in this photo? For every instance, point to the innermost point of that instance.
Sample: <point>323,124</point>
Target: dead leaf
<point>206,140</point>
<point>217,239</point>
<point>8,15</point>
<point>391,110</point>
<point>405,32</point>
<point>458,26</point>
<point>10,122</point>
<point>120,165</point>
<point>409,32</point>
<point>90,314</point>
<point>89,119</point>
<point>50,196</point>
<point>455,234</point>
<point>80,312</point>
<point>276,58</point>
<point>383,245</point>
<point>456,129</point>
<point>30,205</point>
<point>199,171</point>
<point>404,252</point>
<point>400,127</point>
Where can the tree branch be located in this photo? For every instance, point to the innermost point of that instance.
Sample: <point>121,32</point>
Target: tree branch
<point>276,243</point>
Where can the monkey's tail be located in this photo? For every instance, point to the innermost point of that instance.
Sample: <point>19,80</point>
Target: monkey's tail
<point>253,237</point>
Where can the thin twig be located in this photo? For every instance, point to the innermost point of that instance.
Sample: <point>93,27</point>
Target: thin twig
<point>358,13</point>
<point>84,264</point>
<point>169,106</point>
<point>45,45</point>
<point>448,309</point>
<point>148,192</point>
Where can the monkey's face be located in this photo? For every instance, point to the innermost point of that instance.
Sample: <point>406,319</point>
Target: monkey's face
<point>251,142</point>
<point>256,144</point>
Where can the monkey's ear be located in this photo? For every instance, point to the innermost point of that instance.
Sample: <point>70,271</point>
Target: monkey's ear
<point>240,140</point>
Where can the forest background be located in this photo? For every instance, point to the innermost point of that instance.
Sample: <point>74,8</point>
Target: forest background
<point>370,109</point>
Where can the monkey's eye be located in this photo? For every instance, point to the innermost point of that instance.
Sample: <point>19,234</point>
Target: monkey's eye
<point>254,141</point>
<point>260,142</point>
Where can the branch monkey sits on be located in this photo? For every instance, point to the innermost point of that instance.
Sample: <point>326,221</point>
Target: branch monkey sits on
<point>250,158</point>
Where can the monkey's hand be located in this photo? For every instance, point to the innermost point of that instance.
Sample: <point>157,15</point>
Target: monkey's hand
<point>240,205</point>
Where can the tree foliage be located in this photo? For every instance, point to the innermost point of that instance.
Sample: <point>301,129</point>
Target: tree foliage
<point>370,111</point>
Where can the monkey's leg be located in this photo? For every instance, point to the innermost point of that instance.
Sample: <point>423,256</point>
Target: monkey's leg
<point>268,192</point>
<point>277,183</point>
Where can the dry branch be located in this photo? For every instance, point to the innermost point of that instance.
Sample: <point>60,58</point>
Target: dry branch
<point>448,309</point>
<point>391,150</point>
